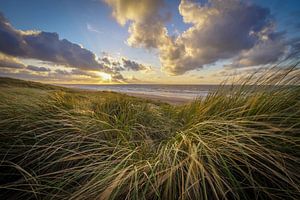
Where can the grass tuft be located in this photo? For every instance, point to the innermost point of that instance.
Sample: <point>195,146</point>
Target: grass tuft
<point>240,142</point>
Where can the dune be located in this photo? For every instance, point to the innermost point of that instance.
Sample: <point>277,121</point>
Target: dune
<point>237,143</point>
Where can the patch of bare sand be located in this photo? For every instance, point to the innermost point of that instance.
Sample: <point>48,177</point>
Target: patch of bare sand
<point>170,100</point>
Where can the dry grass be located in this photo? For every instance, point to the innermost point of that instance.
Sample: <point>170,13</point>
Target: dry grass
<point>241,142</point>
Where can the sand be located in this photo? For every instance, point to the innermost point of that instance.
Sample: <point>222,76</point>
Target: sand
<point>170,100</point>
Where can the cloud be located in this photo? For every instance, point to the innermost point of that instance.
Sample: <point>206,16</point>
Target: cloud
<point>37,69</point>
<point>10,62</point>
<point>118,77</point>
<point>268,51</point>
<point>134,66</point>
<point>133,10</point>
<point>44,46</point>
<point>228,29</point>
<point>220,30</point>
<point>11,41</point>
<point>92,28</point>
<point>147,25</point>
<point>51,50</point>
<point>22,75</point>
<point>112,64</point>
<point>75,72</point>
<point>124,64</point>
<point>78,74</point>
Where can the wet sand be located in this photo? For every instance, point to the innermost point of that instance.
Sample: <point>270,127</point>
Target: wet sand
<point>170,100</point>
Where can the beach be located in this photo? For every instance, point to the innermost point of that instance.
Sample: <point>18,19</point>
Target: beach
<point>171,100</point>
<point>172,94</point>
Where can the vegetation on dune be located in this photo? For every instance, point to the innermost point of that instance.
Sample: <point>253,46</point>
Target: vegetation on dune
<point>11,82</point>
<point>240,142</point>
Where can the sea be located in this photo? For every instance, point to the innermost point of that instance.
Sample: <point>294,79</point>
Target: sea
<point>188,92</point>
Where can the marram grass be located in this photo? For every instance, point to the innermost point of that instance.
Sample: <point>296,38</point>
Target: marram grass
<point>241,142</point>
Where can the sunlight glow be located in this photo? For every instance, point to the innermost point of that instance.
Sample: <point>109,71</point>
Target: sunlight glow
<point>104,76</point>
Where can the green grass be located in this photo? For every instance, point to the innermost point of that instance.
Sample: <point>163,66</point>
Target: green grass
<point>241,142</point>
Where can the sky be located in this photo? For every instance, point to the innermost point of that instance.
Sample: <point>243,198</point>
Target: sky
<point>144,41</point>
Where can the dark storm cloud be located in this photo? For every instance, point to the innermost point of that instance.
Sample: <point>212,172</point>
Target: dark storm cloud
<point>22,75</point>
<point>11,64</point>
<point>11,41</point>
<point>44,46</point>
<point>38,69</point>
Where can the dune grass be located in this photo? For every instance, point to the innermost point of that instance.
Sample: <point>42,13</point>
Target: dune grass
<point>241,142</point>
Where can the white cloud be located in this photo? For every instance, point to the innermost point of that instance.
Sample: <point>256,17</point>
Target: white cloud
<point>92,28</point>
<point>220,29</point>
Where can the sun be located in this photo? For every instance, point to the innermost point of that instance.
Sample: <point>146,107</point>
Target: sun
<point>104,76</point>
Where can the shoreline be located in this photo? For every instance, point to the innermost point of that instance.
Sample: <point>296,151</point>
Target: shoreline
<point>165,99</point>
<point>156,97</point>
